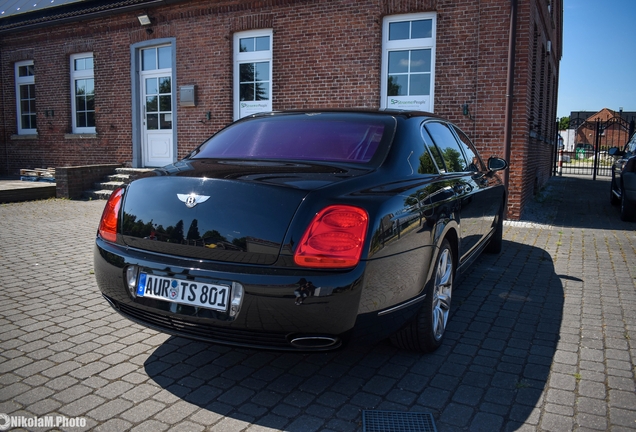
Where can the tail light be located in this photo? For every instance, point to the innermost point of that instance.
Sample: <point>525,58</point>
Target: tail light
<point>334,239</point>
<point>108,223</point>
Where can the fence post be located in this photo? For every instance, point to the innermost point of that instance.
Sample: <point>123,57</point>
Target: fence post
<point>596,148</point>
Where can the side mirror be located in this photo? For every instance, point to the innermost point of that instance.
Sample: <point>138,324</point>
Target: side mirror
<point>614,151</point>
<point>497,164</point>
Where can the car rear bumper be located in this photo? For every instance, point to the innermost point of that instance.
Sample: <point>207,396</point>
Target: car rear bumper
<point>272,314</point>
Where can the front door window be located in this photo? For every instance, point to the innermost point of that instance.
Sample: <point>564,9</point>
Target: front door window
<point>158,103</point>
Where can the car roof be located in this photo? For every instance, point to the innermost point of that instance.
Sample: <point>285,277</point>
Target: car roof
<point>390,112</point>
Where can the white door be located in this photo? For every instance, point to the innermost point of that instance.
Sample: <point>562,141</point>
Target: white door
<point>157,105</point>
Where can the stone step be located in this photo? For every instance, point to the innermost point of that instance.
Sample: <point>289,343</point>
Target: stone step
<point>98,194</point>
<point>103,190</point>
<point>121,178</point>
<point>109,185</point>
<point>132,171</point>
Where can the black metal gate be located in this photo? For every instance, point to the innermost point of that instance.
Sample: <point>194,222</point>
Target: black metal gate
<point>587,154</point>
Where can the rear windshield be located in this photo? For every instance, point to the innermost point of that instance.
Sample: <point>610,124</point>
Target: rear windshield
<point>353,138</point>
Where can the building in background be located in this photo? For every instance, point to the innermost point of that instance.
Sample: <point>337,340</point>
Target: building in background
<point>143,82</point>
<point>615,127</point>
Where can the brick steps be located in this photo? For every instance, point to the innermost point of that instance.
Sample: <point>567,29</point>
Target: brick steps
<point>102,190</point>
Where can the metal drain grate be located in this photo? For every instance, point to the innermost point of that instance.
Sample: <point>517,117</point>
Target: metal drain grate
<point>395,421</point>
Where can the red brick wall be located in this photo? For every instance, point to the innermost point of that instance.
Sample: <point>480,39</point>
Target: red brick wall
<point>71,182</point>
<point>325,54</point>
<point>615,135</point>
<point>535,101</point>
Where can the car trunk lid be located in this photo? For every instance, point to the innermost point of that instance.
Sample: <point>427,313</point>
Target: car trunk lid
<point>228,211</point>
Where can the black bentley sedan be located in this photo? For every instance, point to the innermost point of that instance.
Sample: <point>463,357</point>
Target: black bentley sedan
<point>304,231</point>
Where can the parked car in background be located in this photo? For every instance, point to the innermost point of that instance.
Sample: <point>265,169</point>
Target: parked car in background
<point>623,185</point>
<point>304,231</point>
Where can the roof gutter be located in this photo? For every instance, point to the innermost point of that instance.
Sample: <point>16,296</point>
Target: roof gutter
<point>89,13</point>
<point>510,87</point>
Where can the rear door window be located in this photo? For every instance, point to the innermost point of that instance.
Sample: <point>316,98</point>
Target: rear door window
<point>448,150</point>
<point>474,162</point>
<point>434,152</point>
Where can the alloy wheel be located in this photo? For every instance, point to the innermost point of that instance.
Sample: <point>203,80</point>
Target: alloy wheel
<point>442,291</point>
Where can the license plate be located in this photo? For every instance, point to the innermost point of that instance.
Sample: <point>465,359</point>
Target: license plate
<point>204,295</point>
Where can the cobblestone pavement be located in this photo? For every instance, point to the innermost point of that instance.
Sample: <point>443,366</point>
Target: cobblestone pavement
<point>542,338</point>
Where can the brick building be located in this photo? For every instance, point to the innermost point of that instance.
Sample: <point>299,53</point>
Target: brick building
<point>142,82</point>
<point>614,128</point>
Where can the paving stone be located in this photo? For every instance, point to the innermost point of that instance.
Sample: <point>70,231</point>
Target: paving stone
<point>81,406</point>
<point>236,396</point>
<point>457,415</point>
<point>109,410</point>
<point>43,407</point>
<point>592,389</point>
<point>72,393</point>
<point>561,397</point>
<point>563,382</point>
<point>285,410</point>
<point>401,397</point>
<point>556,423</point>
<point>622,399</point>
<point>150,426</point>
<point>485,422</point>
<point>114,390</point>
<point>142,411</point>
<point>306,423</point>
<point>11,391</point>
<point>622,418</point>
<point>539,339</point>
<point>591,422</point>
<point>176,412</point>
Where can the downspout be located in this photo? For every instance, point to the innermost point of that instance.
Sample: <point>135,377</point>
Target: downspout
<point>510,86</point>
<point>5,130</point>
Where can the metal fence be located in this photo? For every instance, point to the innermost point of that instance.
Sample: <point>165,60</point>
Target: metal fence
<point>587,155</point>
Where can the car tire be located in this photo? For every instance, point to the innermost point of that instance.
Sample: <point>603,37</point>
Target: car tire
<point>496,240</point>
<point>426,332</point>
<point>628,209</point>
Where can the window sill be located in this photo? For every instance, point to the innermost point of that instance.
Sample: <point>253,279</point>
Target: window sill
<point>17,137</point>
<point>81,136</point>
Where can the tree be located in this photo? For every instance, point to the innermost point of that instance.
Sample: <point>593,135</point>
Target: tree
<point>453,159</point>
<point>193,231</point>
<point>426,164</point>
<point>564,123</point>
<point>176,232</point>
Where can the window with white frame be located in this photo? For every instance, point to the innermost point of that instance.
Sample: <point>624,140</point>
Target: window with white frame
<point>25,97</point>
<point>83,93</point>
<point>408,61</point>
<point>252,72</point>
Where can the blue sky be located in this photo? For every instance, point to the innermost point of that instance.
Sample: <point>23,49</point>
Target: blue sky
<point>598,67</point>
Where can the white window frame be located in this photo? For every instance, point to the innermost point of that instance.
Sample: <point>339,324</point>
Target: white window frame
<point>244,108</point>
<point>417,102</point>
<point>19,81</point>
<point>76,75</point>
